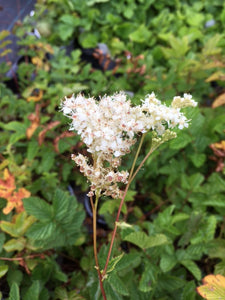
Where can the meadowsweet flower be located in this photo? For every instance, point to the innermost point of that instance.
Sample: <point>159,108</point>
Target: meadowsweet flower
<point>110,126</point>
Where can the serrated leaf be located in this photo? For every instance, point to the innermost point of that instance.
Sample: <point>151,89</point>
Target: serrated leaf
<point>198,159</point>
<point>146,279</point>
<point>61,205</point>
<point>118,285</point>
<point>189,291</point>
<point>192,267</point>
<point>130,260</point>
<point>179,217</point>
<point>213,288</point>
<point>167,262</point>
<point>220,268</point>
<point>32,149</point>
<point>19,226</point>
<point>144,241</point>
<point>33,291</point>
<point>41,231</point>
<point>15,244</point>
<point>113,262</point>
<point>170,283</point>
<point>130,195</point>
<point>38,208</point>
<point>181,141</point>
<point>19,128</point>
<point>195,180</point>
<point>110,292</point>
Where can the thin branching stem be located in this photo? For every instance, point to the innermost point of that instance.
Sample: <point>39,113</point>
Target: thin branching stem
<point>131,177</point>
<point>136,155</point>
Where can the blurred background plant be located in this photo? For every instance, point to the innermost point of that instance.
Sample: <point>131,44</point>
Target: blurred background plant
<point>176,205</point>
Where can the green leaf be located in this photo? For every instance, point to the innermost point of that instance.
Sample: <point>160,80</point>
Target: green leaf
<point>9,228</point>
<point>210,228</point>
<point>130,196</point>
<point>15,244</point>
<point>61,202</point>
<point>118,285</point>
<point>4,34</point>
<point>33,291</point>
<point>92,2</point>
<point>3,270</point>
<point>70,20</point>
<point>195,180</point>
<point>129,261</point>
<point>198,159</point>
<point>65,31</point>
<point>170,283</point>
<point>14,293</point>
<point>189,291</point>
<point>220,268</point>
<point>14,276</point>
<point>2,240</point>
<point>88,40</point>
<point>32,149</point>
<point>144,241</point>
<point>113,262</point>
<point>148,277</point>
<point>179,217</point>
<point>192,267</point>
<point>213,287</point>
<point>38,208</point>
<point>167,262</point>
<point>41,231</point>
<point>182,140</point>
<point>20,131</point>
<point>19,226</point>
<point>141,35</point>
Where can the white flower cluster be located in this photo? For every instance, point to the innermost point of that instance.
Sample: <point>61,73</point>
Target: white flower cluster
<point>102,179</point>
<point>108,127</point>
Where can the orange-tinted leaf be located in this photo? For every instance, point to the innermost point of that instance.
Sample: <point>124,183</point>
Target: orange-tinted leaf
<point>42,134</point>
<point>46,47</point>
<point>37,61</point>
<point>7,184</point>
<point>213,287</point>
<point>61,136</point>
<point>37,97</point>
<point>219,101</point>
<point>15,201</point>
<point>216,76</point>
<point>220,145</point>
<point>35,122</point>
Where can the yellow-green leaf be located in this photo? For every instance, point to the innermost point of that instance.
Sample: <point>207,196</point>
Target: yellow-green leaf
<point>3,270</point>
<point>213,287</point>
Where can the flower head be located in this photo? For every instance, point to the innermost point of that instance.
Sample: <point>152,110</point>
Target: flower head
<point>109,128</point>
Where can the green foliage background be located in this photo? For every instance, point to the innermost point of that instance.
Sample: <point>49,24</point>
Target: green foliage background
<point>175,207</point>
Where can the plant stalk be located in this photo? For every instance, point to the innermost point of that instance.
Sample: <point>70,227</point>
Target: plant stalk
<point>94,212</point>
<point>122,200</point>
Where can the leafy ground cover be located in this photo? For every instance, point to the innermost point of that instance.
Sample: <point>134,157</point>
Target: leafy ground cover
<point>175,206</point>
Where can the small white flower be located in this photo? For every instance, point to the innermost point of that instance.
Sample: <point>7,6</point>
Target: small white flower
<point>109,128</point>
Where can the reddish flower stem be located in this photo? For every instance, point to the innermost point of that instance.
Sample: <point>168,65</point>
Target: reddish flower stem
<point>120,207</point>
<point>94,212</point>
<point>114,230</point>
